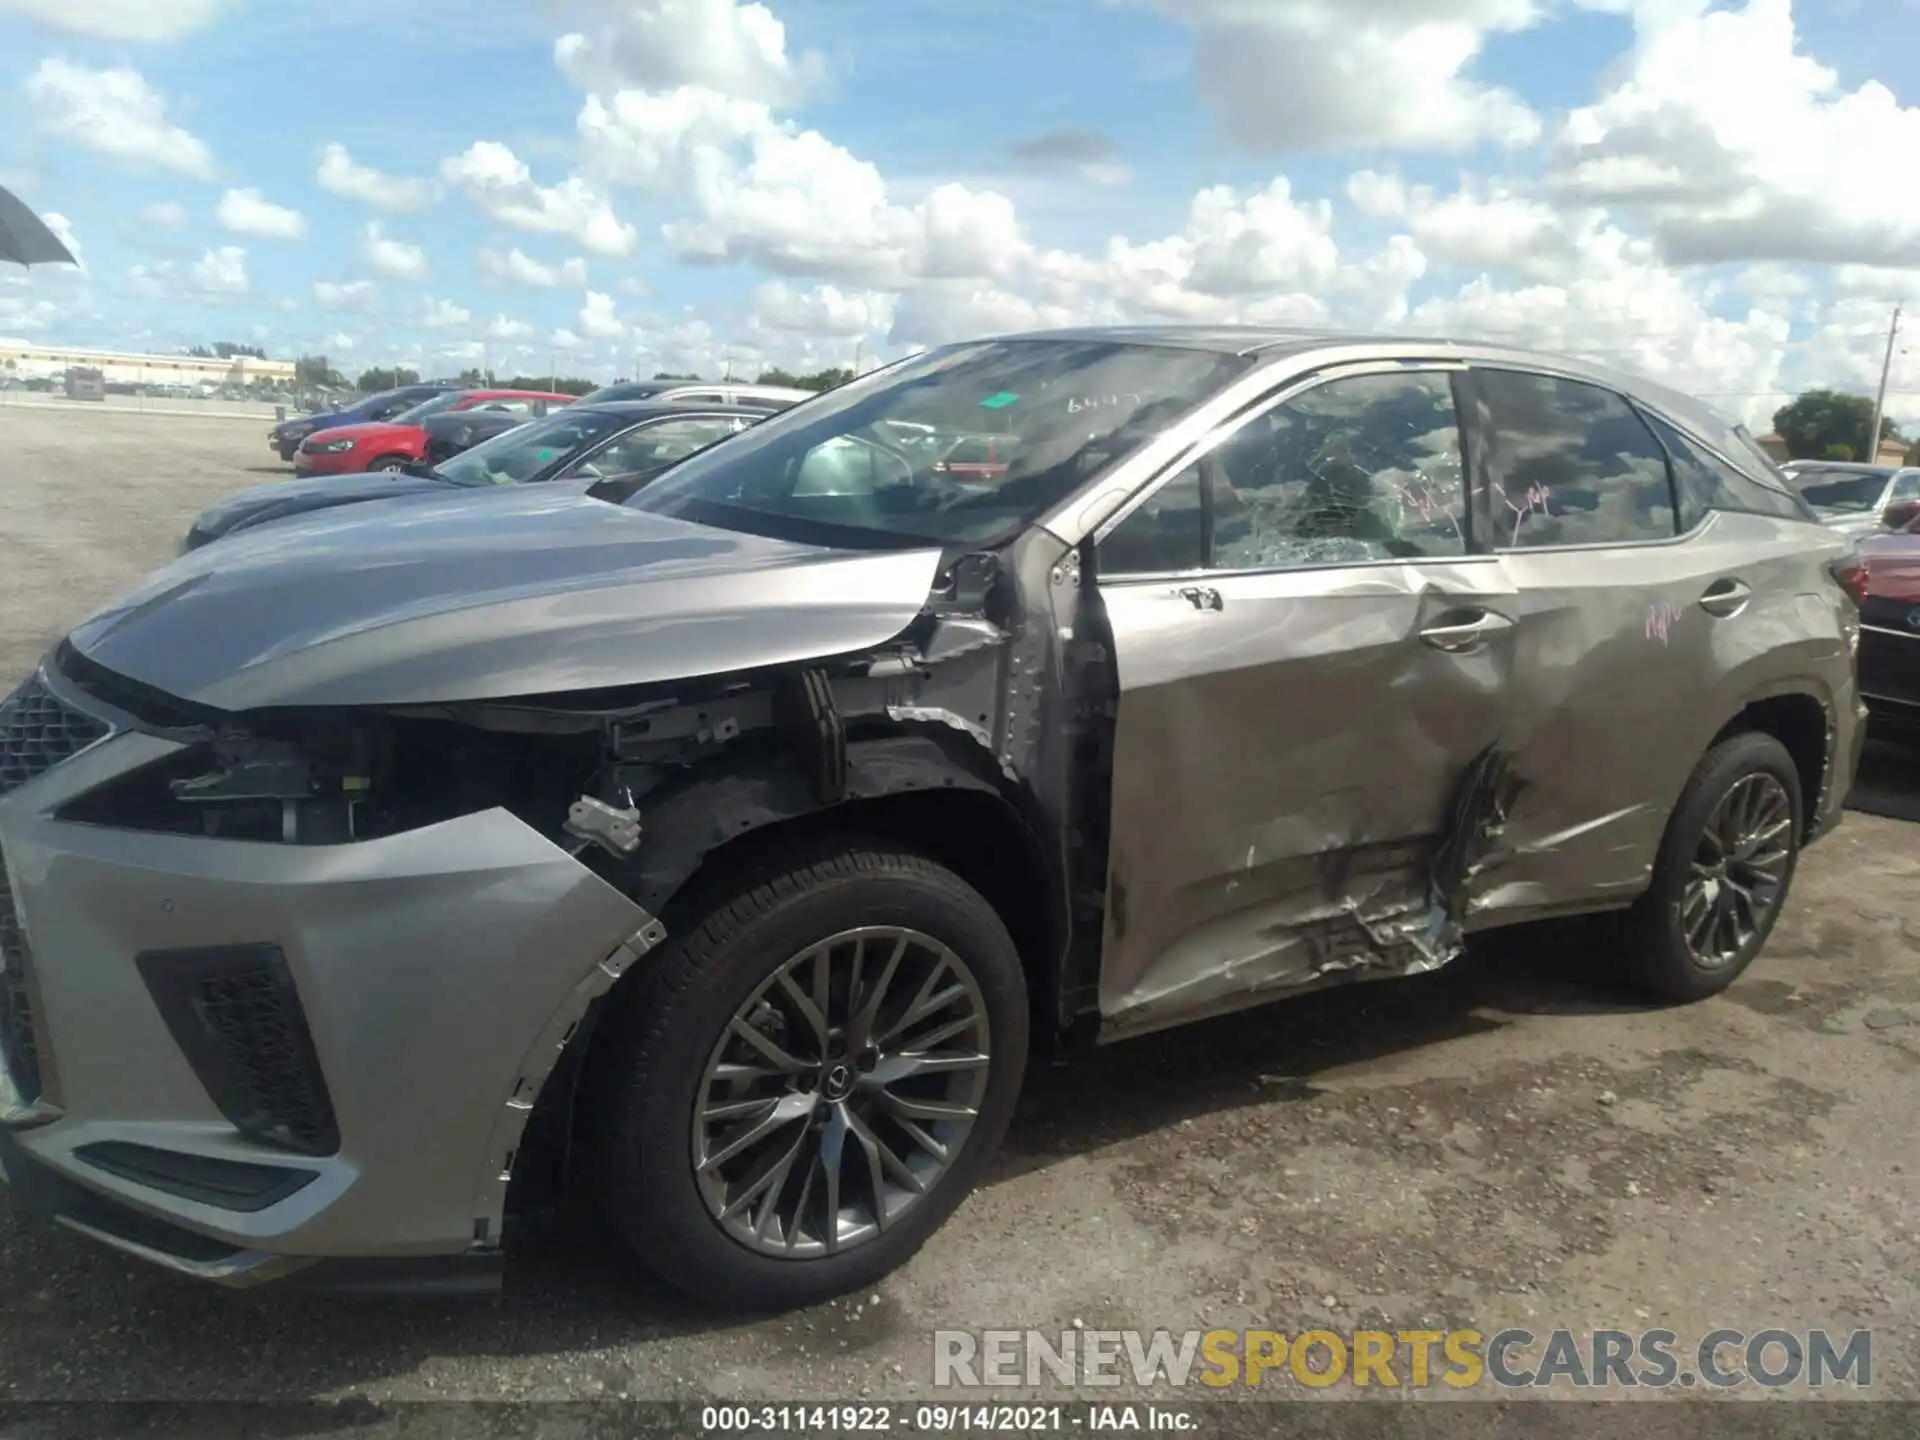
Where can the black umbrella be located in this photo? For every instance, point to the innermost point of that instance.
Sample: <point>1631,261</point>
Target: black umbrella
<point>25,238</point>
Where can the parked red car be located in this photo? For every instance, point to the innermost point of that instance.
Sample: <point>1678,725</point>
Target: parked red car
<point>402,441</point>
<point>1890,624</point>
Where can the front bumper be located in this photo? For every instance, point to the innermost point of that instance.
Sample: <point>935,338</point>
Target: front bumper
<point>435,974</point>
<point>345,462</point>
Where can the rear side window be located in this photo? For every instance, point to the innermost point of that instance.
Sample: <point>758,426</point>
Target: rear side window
<point>1568,464</point>
<point>1705,482</point>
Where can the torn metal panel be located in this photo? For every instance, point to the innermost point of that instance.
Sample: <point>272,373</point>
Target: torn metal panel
<point>1302,784</point>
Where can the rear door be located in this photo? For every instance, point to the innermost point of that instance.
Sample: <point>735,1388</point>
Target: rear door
<point>1310,662</point>
<point>1644,625</point>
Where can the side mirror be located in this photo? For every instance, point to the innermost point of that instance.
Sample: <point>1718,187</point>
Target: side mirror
<point>1900,514</point>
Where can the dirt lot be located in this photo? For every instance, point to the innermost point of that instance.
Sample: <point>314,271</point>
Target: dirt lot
<point>1505,1143</point>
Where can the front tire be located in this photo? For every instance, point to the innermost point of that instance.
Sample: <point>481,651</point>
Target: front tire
<point>389,462</point>
<point>1723,872</point>
<point>804,1084</point>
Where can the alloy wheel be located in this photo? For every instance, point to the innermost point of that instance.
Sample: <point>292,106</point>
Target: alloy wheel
<point>1738,871</point>
<point>841,1092</point>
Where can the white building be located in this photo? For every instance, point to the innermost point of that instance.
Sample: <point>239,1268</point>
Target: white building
<point>25,362</point>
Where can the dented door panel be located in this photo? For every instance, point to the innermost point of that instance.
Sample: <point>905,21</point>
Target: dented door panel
<point>1289,754</point>
<point>1628,662</point>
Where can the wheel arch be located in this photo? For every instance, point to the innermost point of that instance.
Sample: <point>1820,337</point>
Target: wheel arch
<point>919,786</point>
<point>1800,716</point>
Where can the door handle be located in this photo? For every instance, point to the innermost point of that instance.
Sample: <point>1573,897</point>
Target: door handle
<point>1726,598</point>
<point>1202,597</point>
<point>1465,635</point>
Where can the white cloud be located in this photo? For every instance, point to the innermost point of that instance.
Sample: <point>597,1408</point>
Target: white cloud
<point>344,294</point>
<point>445,315</point>
<point>120,19</point>
<point>340,340</point>
<point>565,340</point>
<point>501,328</point>
<point>1485,224</point>
<point>340,174</point>
<point>166,215</point>
<point>597,318</point>
<point>248,212</point>
<point>115,113</point>
<point>218,274</point>
<point>823,310</point>
<point>19,315</point>
<point>518,268</point>
<point>660,45</point>
<point>501,186</point>
<point>1324,74</point>
<point>1735,145</point>
<point>221,272</point>
<point>400,259</point>
<point>701,120</point>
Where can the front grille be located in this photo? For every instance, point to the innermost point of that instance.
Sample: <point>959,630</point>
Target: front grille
<point>19,1050</point>
<point>237,1017</point>
<point>38,731</point>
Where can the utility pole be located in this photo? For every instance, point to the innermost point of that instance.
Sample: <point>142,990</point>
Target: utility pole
<point>1872,457</point>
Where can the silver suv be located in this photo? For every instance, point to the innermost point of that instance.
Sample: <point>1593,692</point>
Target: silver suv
<point>747,833</point>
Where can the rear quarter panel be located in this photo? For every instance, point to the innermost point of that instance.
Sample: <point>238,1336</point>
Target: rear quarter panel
<point>1628,683</point>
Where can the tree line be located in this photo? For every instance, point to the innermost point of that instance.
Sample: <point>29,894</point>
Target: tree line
<point>1832,425</point>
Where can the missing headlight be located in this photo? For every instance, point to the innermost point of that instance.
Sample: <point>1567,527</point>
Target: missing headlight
<point>333,777</point>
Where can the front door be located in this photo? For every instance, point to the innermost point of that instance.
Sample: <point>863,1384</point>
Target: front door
<point>1312,667</point>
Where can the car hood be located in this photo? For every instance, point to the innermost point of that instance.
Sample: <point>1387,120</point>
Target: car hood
<point>291,497</point>
<point>487,595</point>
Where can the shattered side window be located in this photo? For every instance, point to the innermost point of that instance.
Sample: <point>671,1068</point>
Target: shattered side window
<point>1355,470</point>
<point>1570,464</point>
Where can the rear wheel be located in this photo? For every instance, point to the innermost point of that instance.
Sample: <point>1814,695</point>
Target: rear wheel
<point>803,1086</point>
<point>1723,871</point>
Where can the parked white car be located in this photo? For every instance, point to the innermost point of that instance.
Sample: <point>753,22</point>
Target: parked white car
<point>1852,498</point>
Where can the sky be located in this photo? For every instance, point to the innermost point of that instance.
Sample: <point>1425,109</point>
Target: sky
<point>1723,196</point>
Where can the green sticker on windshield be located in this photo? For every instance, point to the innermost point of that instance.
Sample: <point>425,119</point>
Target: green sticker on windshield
<point>545,455</point>
<point>1000,401</point>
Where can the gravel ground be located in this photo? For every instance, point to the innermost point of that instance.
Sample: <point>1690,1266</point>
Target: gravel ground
<point>1508,1142</point>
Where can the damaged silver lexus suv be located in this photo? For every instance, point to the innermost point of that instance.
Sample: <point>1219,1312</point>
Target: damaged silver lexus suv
<point>747,833</point>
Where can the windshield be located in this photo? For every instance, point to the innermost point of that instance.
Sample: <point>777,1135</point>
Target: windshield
<point>855,466</point>
<point>521,453</point>
<point>1825,488</point>
<point>425,408</point>
<point>629,390</point>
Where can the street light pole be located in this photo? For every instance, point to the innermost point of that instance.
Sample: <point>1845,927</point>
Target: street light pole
<point>1872,456</point>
